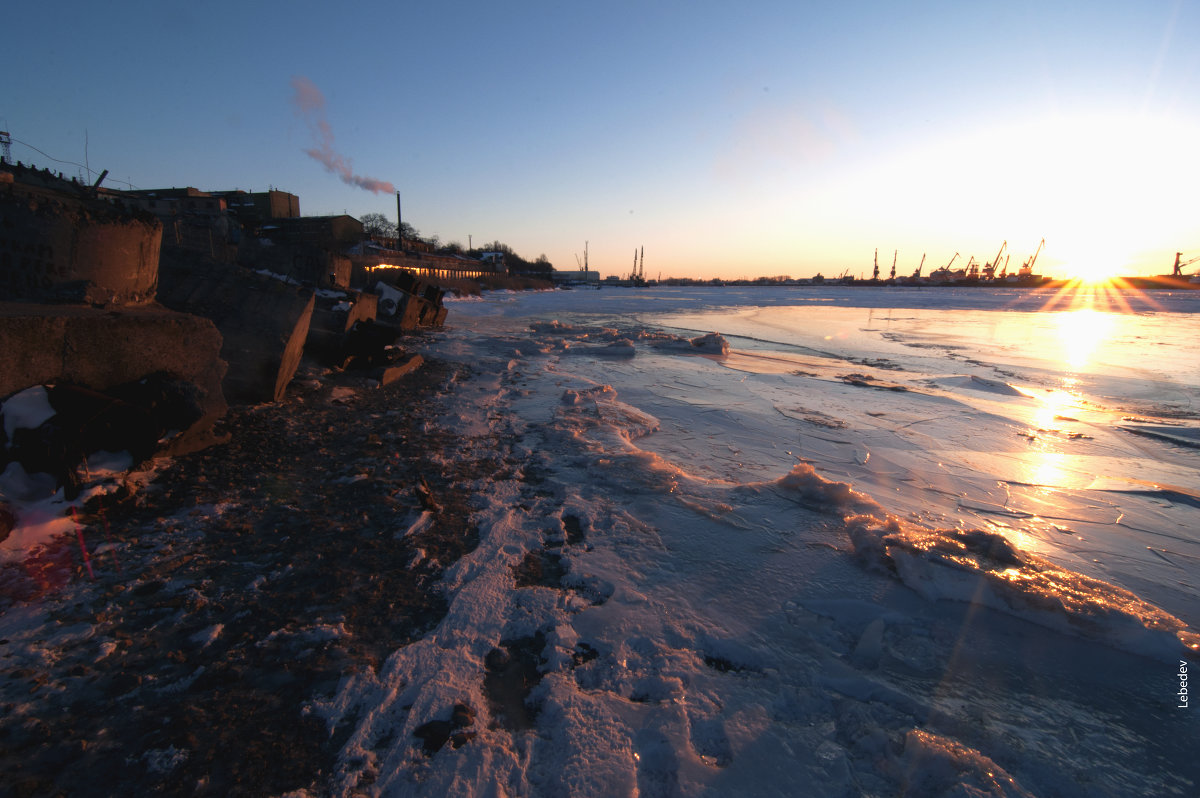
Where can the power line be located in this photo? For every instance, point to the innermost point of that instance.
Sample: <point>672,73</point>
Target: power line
<point>72,163</point>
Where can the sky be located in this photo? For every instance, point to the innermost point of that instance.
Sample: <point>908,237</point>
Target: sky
<point>725,140</point>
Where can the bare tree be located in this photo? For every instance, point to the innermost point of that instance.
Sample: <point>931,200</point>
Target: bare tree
<point>376,224</point>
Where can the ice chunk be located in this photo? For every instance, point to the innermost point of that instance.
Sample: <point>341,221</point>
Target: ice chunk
<point>935,765</point>
<point>815,490</point>
<point>573,398</point>
<point>711,344</point>
<point>982,567</point>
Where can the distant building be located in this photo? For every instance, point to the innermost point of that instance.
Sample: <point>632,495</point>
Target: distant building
<point>256,207</point>
<point>576,277</point>
<point>168,203</point>
<point>249,208</point>
<point>326,232</point>
<point>493,259</point>
<point>191,218</point>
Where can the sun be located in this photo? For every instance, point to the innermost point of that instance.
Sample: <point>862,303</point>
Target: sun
<point>1090,271</point>
<point>1086,260</point>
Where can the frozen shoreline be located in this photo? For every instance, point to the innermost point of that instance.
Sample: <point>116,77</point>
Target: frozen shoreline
<point>708,629</point>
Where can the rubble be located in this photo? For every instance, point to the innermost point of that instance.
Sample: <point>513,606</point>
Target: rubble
<point>140,417</point>
<point>138,347</point>
<point>409,303</point>
<point>335,315</point>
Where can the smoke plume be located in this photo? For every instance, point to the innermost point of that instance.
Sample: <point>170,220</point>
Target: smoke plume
<point>310,105</point>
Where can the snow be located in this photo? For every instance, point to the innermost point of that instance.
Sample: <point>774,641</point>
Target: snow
<point>40,511</point>
<point>27,409</point>
<point>283,278</point>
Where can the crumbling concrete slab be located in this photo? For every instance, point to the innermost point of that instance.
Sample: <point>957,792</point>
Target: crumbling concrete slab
<point>332,320</point>
<point>409,310</point>
<point>103,349</point>
<point>389,374</point>
<point>264,322</point>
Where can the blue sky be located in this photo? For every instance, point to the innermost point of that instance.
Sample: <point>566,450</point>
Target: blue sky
<point>729,140</point>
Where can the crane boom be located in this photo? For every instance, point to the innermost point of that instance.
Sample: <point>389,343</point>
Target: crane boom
<point>990,269</point>
<point>1180,263</point>
<point>1037,252</point>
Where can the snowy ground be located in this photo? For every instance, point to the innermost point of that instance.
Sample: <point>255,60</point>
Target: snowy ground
<point>749,564</point>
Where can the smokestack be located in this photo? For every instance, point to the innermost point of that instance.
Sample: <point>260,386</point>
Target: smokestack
<point>399,224</point>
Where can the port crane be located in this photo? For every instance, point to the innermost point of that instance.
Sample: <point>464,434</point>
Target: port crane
<point>1027,267</point>
<point>1180,263</point>
<point>895,254</point>
<point>989,270</point>
<point>637,277</point>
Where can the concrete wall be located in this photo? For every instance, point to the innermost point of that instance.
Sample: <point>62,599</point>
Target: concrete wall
<point>60,246</point>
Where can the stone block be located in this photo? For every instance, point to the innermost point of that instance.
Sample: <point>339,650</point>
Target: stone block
<point>264,322</point>
<point>99,349</point>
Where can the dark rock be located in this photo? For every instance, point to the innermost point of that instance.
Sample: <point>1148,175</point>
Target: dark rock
<point>434,735</point>
<point>543,568</point>
<point>463,716</point>
<point>512,675</point>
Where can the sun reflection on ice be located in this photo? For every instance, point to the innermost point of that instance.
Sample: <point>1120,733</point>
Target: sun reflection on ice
<point>1056,406</point>
<point>1081,333</point>
<point>1047,464</point>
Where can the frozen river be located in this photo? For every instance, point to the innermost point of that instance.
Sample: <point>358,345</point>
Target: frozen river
<point>827,541</point>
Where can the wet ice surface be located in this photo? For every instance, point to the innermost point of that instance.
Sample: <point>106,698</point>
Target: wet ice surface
<point>847,550</point>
